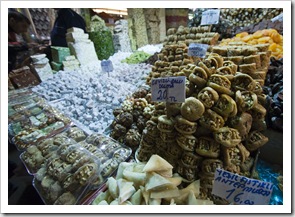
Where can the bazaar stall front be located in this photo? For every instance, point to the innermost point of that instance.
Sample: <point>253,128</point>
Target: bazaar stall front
<point>152,107</point>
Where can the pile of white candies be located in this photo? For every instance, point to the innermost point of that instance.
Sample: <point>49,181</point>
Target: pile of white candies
<point>88,96</point>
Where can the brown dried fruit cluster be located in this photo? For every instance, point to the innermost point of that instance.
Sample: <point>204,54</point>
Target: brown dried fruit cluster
<point>214,126</point>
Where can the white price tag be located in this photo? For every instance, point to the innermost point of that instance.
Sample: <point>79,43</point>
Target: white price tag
<point>106,66</point>
<point>210,17</point>
<point>198,50</point>
<point>279,18</point>
<point>168,89</point>
<point>241,190</point>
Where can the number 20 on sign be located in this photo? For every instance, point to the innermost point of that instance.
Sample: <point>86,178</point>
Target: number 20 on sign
<point>168,89</point>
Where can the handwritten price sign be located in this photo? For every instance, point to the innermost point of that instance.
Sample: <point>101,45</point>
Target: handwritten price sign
<point>210,17</point>
<point>168,89</point>
<point>279,18</point>
<point>106,66</point>
<point>241,190</point>
<point>197,50</point>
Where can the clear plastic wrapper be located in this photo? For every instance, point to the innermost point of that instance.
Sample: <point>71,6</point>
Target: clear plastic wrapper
<point>66,177</point>
<point>16,99</point>
<point>35,110</point>
<point>75,133</point>
<point>19,92</point>
<point>14,108</point>
<point>37,155</point>
<point>36,124</point>
<point>110,152</point>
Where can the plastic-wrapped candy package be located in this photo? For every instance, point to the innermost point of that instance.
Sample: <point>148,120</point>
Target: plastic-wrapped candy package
<point>66,177</point>
<point>14,119</point>
<point>18,92</point>
<point>35,156</point>
<point>110,152</point>
<point>271,173</point>
<point>21,97</point>
<point>15,107</point>
<point>36,124</point>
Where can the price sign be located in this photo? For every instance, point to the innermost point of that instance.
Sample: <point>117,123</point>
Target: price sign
<point>168,89</point>
<point>106,66</point>
<point>210,17</point>
<point>241,190</point>
<point>197,50</point>
<point>279,17</point>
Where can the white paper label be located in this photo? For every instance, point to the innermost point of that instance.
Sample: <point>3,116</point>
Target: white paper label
<point>197,50</point>
<point>241,190</point>
<point>106,66</point>
<point>210,17</point>
<point>168,89</point>
<point>279,17</point>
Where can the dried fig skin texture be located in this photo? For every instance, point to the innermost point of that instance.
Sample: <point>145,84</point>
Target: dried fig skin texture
<point>255,140</point>
<point>207,147</point>
<point>208,96</point>
<point>207,70</point>
<point>242,123</point>
<point>228,137</point>
<point>246,100</point>
<point>165,124</point>
<point>192,109</point>
<point>225,106</point>
<point>220,83</point>
<point>210,165</point>
<point>184,126</point>
<point>198,76</point>
<point>218,58</point>
<point>186,142</point>
<point>243,82</point>
<point>211,120</point>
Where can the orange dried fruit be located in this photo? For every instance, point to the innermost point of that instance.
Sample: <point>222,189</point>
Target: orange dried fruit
<point>276,37</point>
<point>272,47</point>
<point>264,40</point>
<point>258,34</point>
<point>242,34</point>
<point>247,38</point>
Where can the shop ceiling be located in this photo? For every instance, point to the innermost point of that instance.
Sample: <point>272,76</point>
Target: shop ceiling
<point>119,11</point>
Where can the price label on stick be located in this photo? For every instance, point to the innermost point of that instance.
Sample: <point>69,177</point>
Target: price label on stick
<point>279,18</point>
<point>197,50</point>
<point>106,66</point>
<point>210,17</point>
<point>168,89</point>
<point>241,190</point>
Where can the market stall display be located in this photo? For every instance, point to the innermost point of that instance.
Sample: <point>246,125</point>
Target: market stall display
<point>136,57</point>
<point>23,77</point>
<point>93,109</point>
<point>196,139</point>
<point>188,35</point>
<point>102,38</point>
<point>41,65</point>
<point>235,19</point>
<point>79,126</point>
<point>66,176</point>
<point>151,183</point>
<point>75,167</point>
<point>273,88</point>
<point>120,37</point>
<point>80,46</point>
<point>266,36</point>
<point>31,125</point>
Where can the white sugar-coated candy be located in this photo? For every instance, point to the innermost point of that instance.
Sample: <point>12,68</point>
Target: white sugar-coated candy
<point>89,91</point>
